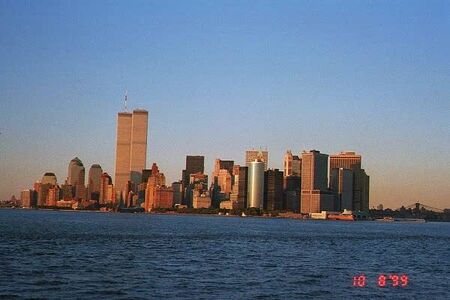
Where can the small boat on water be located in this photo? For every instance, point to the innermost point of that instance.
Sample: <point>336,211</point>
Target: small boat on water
<point>406,220</point>
<point>243,214</point>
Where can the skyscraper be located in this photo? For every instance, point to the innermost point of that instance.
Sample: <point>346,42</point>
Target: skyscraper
<point>292,193</point>
<point>255,187</point>
<point>76,172</point>
<point>220,164</point>
<point>262,155</point>
<point>352,161</point>
<point>131,148</point>
<point>347,160</point>
<point>105,183</point>
<point>194,164</point>
<point>157,195</point>
<point>341,183</point>
<point>94,182</point>
<point>273,189</point>
<point>240,186</point>
<point>49,177</point>
<point>76,178</point>
<point>292,164</point>
<point>315,196</point>
<point>48,182</point>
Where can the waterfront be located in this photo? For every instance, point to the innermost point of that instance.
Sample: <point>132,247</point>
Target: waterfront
<point>58,254</point>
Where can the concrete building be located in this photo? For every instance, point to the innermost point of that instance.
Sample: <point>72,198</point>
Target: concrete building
<point>227,204</point>
<point>352,161</point>
<point>76,178</point>
<point>273,190</point>
<point>197,182</point>
<point>252,155</point>
<point>43,193</point>
<point>255,190</point>
<point>26,196</point>
<point>76,172</point>
<point>154,184</point>
<point>131,148</point>
<point>292,193</point>
<point>94,182</point>
<point>146,173</point>
<point>223,165</point>
<point>162,198</point>
<point>49,178</point>
<point>110,195</point>
<point>105,183</point>
<point>66,192</point>
<point>292,164</point>
<point>341,183</point>
<point>346,159</point>
<point>194,164</point>
<point>224,181</point>
<point>315,196</point>
<point>48,182</point>
<point>52,196</point>
<point>177,188</point>
<point>361,185</point>
<point>241,186</point>
<point>201,200</point>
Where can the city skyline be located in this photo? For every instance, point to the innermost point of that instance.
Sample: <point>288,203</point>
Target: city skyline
<point>225,78</point>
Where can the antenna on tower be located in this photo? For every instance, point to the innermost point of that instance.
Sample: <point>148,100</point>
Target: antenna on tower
<point>126,101</point>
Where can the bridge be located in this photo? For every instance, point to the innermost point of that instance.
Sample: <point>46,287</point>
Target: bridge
<point>419,207</point>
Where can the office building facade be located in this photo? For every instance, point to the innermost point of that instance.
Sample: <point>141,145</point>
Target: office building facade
<point>131,149</point>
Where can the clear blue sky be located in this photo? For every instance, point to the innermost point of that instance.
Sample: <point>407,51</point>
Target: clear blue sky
<point>219,77</point>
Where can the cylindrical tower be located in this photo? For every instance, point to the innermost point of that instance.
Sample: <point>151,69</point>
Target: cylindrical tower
<point>255,191</point>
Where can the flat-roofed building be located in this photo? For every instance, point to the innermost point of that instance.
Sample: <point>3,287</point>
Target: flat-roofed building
<point>341,183</point>
<point>315,196</point>
<point>26,198</point>
<point>131,148</point>
<point>352,161</point>
<point>273,189</point>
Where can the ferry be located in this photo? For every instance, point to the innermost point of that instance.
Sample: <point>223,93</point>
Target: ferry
<point>341,217</point>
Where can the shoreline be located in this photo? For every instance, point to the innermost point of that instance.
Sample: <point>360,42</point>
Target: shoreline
<point>281,215</point>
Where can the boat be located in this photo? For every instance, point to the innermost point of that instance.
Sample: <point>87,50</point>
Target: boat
<point>405,220</point>
<point>385,219</point>
<point>243,214</point>
<point>410,220</point>
<point>341,217</point>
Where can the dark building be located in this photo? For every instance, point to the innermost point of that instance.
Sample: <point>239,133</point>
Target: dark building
<point>242,186</point>
<point>223,165</point>
<point>273,189</point>
<point>146,173</point>
<point>292,193</point>
<point>194,164</point>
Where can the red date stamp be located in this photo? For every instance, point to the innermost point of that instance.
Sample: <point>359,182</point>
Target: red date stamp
<point>383,280</point>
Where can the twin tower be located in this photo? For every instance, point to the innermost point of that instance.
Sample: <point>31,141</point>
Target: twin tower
<point>131,149</point>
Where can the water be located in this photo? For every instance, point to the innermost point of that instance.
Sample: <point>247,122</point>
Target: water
<point>89,255</point>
